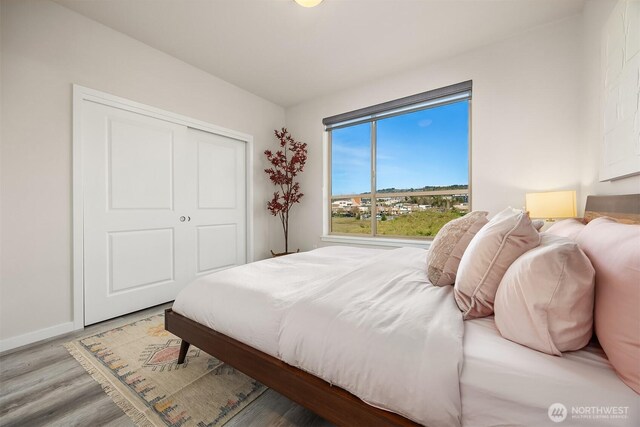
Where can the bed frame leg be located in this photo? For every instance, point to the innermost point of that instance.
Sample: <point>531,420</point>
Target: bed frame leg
<point>184,348</point>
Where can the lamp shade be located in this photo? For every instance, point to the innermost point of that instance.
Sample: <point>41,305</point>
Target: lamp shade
<point>308,3</point>
<point>551,204</point>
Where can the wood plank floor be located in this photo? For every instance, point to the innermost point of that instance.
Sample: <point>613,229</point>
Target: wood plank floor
<point>42,385</point>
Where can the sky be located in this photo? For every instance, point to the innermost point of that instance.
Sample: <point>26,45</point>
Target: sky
<point>428,147</point>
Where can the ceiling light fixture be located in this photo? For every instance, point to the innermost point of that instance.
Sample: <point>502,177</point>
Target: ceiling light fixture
<point>308,3</point>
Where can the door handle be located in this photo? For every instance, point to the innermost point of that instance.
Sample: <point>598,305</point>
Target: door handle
<point>182,218</point>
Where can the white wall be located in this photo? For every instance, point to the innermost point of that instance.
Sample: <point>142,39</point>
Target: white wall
<point>45,49</point>
<point>596,14</point>
<point>525,119</point>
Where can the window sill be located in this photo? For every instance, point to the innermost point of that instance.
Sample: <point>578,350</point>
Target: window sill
<point>377,241</point>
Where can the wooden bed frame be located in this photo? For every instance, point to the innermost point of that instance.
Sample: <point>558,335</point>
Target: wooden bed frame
<point>625,209</point>
<point>331,402</point>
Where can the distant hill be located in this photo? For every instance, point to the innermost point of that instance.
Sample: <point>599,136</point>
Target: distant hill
<point>425,188</point>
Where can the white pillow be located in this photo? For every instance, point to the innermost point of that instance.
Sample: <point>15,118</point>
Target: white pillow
<point>537,224</point>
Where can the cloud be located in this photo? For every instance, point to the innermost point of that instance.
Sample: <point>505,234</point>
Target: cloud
<point>358,152</point>
<point>425,123</point>
<point>351,157</point>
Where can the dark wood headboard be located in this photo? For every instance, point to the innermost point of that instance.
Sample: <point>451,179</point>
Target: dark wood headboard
<point>625,209</point>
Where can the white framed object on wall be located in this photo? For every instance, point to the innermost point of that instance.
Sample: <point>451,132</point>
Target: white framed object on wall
<point>621,92</point>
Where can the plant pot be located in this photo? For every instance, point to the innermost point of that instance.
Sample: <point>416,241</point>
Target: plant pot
<point>274,255</point>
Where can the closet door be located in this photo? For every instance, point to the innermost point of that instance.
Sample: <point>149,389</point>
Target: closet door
<point>163,204</point>
<point>135,194</point>
<point>217,174</point>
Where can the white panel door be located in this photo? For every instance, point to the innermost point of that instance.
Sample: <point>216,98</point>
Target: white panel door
<point>217,167</point>
<point>162,204</point>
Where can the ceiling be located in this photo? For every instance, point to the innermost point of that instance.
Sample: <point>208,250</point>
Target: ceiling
<point>287,54</point>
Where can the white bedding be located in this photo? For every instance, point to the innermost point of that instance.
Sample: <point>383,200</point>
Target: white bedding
<point>386,335</point>
<point>366,320</point>
<point>247,302</point>
<point>506,384</point>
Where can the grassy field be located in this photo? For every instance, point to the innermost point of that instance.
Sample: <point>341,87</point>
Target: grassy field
<point>417,224</point>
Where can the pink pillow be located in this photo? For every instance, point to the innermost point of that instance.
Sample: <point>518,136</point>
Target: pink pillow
<point>614,251</point>
<point>545,299</point>
<point>508,235</point>
<point>450,243</point>
<point>567,228</point>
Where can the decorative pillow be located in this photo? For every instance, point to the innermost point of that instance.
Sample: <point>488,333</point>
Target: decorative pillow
<point>537,224</point>
<point>545,299</point>
<point>447,248</point>
<point>567,228</point>
<point>491,251</point>
<point>614,251</point>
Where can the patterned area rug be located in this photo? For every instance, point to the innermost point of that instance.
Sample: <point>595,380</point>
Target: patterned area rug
<point>136,365</point>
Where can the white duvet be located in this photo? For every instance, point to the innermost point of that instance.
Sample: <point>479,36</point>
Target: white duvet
<point>386,335</point>
<point>365,320</point>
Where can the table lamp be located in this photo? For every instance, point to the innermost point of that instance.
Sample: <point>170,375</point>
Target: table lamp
<point>551,205</point>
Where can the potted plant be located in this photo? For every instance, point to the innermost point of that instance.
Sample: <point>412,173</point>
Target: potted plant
<point>286,164</point>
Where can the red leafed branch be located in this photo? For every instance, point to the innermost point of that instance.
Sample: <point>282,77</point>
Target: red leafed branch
<point>286,164</point>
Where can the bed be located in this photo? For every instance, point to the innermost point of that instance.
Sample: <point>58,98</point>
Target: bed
<point>351,307</point>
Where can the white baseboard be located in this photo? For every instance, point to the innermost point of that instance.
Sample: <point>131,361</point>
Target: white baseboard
<point>31,337</point>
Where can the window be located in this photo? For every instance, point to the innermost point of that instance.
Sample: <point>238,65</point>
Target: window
<point>401,169</point>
